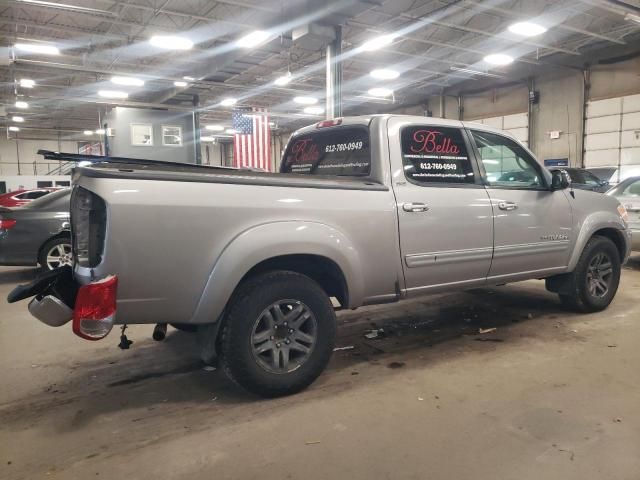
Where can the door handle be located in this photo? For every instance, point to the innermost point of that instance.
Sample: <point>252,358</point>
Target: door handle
<point>507,205</point>
<point>415,207</point>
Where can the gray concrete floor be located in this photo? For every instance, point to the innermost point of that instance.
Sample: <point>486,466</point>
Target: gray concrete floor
<point>549,394</point>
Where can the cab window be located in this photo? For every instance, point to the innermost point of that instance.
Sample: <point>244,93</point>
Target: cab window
<point>435,155</point>
<point>506,163</point>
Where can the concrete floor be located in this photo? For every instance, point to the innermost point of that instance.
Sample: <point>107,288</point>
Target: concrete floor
<point>549,394</point>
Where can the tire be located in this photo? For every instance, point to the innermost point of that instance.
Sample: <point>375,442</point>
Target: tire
<point>262,350</point>
<point>59,247</point>
<point>594,282</point>
<point>185,327</point>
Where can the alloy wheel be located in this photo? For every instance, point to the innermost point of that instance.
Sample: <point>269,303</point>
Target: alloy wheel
<point>59,256</point>
<point>599,275</point>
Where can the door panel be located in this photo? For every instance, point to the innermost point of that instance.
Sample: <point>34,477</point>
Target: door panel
<point>444,214</point>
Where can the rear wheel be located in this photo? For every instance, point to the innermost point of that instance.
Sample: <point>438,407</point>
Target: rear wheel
<point>278,334</point>
<point>594,282</point>
<point>56,253</point>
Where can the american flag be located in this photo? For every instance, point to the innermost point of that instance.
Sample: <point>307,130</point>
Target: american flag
<point>252,138</point>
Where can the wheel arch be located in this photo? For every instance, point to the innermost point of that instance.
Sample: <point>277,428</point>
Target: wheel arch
<point>61,234</point>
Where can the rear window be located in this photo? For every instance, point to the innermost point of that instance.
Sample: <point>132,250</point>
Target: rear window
<point>343,151</point>
<point>49,199</point>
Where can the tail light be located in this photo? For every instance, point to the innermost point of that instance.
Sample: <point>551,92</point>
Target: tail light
<point>7,223</point>
<point>334,122</point>
<point>95,309</point>
<point>88,225</point>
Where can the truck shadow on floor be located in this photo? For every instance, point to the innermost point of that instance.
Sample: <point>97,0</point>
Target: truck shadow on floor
<point>13,276</point>
<point>155,379</point>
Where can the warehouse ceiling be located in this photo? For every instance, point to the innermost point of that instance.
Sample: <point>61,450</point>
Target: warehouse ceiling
<point>434,45</point>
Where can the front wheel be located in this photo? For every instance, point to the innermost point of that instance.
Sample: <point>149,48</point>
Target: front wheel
<point>594,282</point>
<point>278,334</point>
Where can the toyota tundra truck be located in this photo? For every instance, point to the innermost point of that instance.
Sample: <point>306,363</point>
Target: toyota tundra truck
<point>364,210</point>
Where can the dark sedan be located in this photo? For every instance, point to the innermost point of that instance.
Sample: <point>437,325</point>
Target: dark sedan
<point>37,233</point>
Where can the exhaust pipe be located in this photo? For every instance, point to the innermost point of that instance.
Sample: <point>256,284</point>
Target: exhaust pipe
<point>159,332</point>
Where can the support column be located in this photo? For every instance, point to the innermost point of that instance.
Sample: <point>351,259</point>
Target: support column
<point>333,106</point>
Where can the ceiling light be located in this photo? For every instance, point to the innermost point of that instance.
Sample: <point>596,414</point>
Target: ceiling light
<point>215,128</point>
<point>35,48</point>
<point>88,132</point>
<point>18,119</point>
<point>180,83</point>
<point>100,131</point>
<point>128,81</point>
<point>230,131</point>
<point>227,102</point>
<point>527,29</point>
<point>171,42</point>
<point>113,94</point>
<point>380,92</point>
<point>378,42</point>
<point>22,104</point>
<point>207,139</point>
<point>253,39</point>
<point>305,100</point>
<point>14,129</point>
<point>632,17</point>
<point>498,59</point>
<point>283,80</point>
<point>27,83</point>
<point>188,79</point>
<point>314,110</point>
<point>384,74</point>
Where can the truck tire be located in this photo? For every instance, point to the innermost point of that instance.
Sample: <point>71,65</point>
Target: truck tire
<point>56,253</point>
<point>278,334</point>
<point>594,282</point>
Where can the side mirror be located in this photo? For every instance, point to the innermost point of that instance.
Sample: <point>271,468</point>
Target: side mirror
<point>560,180</point>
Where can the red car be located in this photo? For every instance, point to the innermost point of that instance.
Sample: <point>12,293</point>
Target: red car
<point>18,198</point>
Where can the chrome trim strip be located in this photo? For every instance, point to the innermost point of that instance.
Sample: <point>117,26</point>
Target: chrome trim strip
<point>530,248</point>
<point>448,257</point>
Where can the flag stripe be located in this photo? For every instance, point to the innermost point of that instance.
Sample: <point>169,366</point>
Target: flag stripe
<point>252,139</point>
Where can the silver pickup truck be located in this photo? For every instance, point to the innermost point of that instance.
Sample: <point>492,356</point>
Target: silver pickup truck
<point>364,210</point>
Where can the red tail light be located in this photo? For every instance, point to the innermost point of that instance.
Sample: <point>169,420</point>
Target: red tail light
<point>95,309</point>
<point>329,123</point>
<point>7,223</point>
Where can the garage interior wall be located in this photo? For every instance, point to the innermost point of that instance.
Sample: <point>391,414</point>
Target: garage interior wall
<point>19,156</point>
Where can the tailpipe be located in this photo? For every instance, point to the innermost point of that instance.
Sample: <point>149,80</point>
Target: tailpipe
<point>159,332</point>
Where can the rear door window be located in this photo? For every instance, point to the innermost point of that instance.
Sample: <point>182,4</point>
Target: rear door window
<point>343,151</point>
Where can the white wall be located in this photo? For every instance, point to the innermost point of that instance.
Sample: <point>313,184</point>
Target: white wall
<point>17,156</point>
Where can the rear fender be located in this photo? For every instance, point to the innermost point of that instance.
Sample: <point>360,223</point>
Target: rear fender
<point>271,240</point>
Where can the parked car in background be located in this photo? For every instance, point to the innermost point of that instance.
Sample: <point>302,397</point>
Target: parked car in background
<point>37,233</point>
<point>615,175</point>
<point>18,198</point>
<point>628,194</point>
<point>585,180</point>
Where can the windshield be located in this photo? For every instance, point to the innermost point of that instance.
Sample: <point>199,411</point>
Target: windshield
<point>48,199</point>
<point>340,151</point>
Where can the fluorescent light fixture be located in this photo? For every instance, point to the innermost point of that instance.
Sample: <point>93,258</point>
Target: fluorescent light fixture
<point>128,81</point>
<point>314,110</point>
<point>384,74</point>
<point>27,83</point>
<point>207,139</point>
<point>380,92</point>
<point>305,100</point>
<point>498,59</point>
<point>22,104</point>
<point>13,128</point>
<point>227,102</point>
<point>378,42</point>
<point>36,48</point>
<point>527,29</point>
<point>230,131</point>
<point>171,42</point>
<point>215,128</point>
<point>632,17</point>
<point>188,78</point>
<point>88,132</point>
<point>180,83</point>
<point>272,124</point>
<point>253,39</point>
<point>113,94</point>
<point>100,131</point>
<point>283,80</point>
<point>18,119</point>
